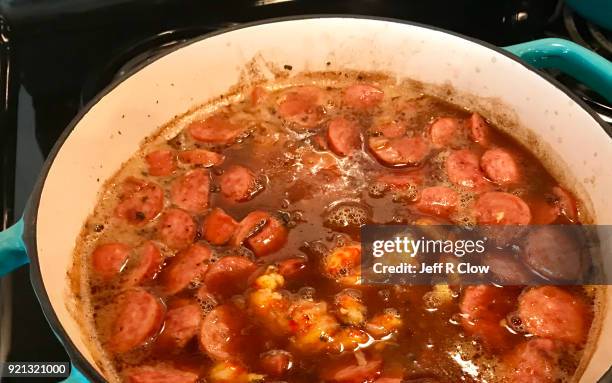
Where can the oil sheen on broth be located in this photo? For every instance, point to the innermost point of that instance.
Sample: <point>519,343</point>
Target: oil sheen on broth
<point>230,252</point>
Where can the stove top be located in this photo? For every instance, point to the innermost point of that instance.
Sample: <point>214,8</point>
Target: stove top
<point>56,55</point>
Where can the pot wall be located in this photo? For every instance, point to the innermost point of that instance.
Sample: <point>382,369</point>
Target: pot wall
<point>95,149</point>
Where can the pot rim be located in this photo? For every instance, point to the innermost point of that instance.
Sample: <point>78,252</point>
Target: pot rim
<point>30,215</point>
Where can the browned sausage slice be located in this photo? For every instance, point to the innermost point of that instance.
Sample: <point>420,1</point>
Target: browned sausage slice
<point>139,201</point>
<point>362,96</point>
<point>218,227</point>
<point>292,267</point>
<point>302,105</point>
<point>463,170</point>
<point>216,129</point>
<point>161,162</point>
<point>499,208</point>
<point>438,200</point>
<point>507,270</point>
<point>176,228</point>
<point>139,318</point>
<point>276,362</point>
<point>221,333</point>
<point>479,129</point>
<point>109,259</point>
<point>444,131</point>
<point>187,266</point>
<point>401,180</point>
<point>258,94</point>
<point>533,361</point>
<point>499,165</point>
<point>554,252</point>
<point>343,136</point>
<point>191,191</point>
<point>543,212</point>
<point>353,372</point>
<point>159,374</point>
<point>392,129</point>
<point>149,264</point>
<point>483,307</point>
<point>251,224</point>
<point>238,183</point>
<point>180,326</point>
<point>551,312</point>
<point>272,237</point>
<point>229,275</point>
<point>566,203</point>
<point>401,151</point>
<point>201,157</point>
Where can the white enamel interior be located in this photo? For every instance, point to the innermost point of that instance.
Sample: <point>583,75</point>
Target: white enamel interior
<point>205,69</point>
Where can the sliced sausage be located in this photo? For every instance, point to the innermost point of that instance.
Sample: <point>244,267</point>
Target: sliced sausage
<point>229,276</point>
<point>438,200</point>
<point>507,270</point>
<point>159,374</point>
<point>554,252</point>
<point>218,227</point>
<point>221,333</point>
<point>543,212</point>
<point>239,184</point>
<point>180,326</point>
<point>109,259</point>
<point>479,129</point>
<point>187,266</point>
<point>250,225</point>
<point>499,208</point>
<point>161,162</point>
<point>566,203</point>
<point>149,264</point>
<point>276,362</point>
<point>217,129</point>
<point>353,372</point>
<point>483,308</point>
<point>201,157</point>
<point>533,361</point>
<point>401,151</point>
<point>362,96</point>
<point>551,312</point>
<point>343,136</point>
<point>176,228</point>
<point>191,191</point>
<point>258,94</point>
<point>139,318</point>
<point>401,180</point>
<point>391,129</point>
<point>292,267</point>
<point>302,105</point>
<point>271,238</point>
<point>500,167</point>
<point>463,170</point>
<point>444,131</point>
<point>140,201</point>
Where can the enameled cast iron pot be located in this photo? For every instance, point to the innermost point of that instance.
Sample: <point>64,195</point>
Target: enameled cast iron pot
<point>90,150</point>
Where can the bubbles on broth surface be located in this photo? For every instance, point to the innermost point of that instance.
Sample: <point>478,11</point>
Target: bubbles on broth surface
<point>347,215</point>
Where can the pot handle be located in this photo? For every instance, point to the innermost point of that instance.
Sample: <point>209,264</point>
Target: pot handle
<point>13,255</point>
<point>12,249</point>
<point>570,58</point>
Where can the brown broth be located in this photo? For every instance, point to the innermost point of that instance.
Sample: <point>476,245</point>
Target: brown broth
<point>431,342</point>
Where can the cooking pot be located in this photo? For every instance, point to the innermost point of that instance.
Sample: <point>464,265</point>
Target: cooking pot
<point>577,145</point>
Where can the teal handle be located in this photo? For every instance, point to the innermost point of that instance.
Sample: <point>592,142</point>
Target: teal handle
<point>12,249</point>
<point>75,376</point>
<point>570,58</point>
<point>13,255</point>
